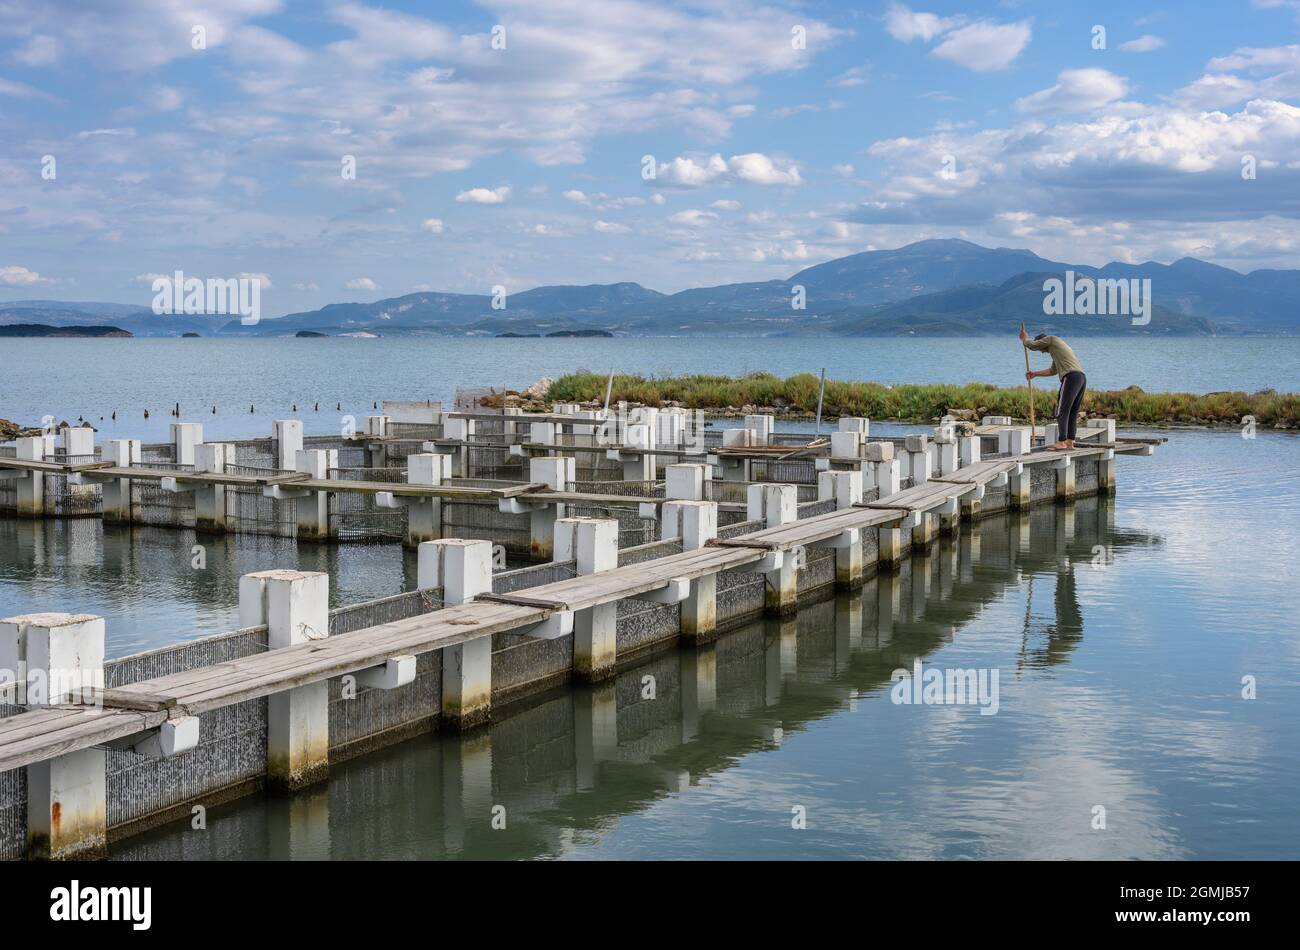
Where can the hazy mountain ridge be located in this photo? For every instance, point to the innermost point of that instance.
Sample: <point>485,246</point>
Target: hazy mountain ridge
<point>933,287</point>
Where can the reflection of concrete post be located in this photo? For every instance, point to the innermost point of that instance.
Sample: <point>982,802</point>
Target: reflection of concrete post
<point>467,792</point>
<point>782,655</point>
<point>595,731</point>
<point>848,630</point>
<point>776,505</point>
<point>593,543</point>
<point>889,602</point>
<point>922,566</point>
<point>696,523</point>
<point>63,656</point>
<point>308,826</point>
<point>699,674</point>
<point>295,607</point>
<point>463,569</point>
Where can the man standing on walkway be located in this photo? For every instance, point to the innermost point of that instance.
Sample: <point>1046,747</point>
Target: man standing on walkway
<point>1073,383</point>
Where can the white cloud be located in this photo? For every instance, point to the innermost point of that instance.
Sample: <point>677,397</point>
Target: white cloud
<point>757,168</point>
<point>607,227</point>
<point>263,280</point>
<point>19,90</point>
<point>1143,44</point>
<point>17,276</point>
<point>433,225</point>
<point>693,217</point>
<point>844,171</point>
<point>309,285</point>
<point>754,167</point>
<point>485,196</point>
<point>361,283</point>
<point>726,204</point>
<point>1076,90</point>
<point>907,25</point>
<point>576,196</point>
<point>857,76</point>
<point>1249,73</point>
<point>985,47</point>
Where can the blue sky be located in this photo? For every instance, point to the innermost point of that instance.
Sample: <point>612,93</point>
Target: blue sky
<point>523,165</point>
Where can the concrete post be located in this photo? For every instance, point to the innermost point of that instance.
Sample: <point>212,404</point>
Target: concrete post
<point>463,569</point>
<point>313,508</point>
<point>556,473</point>
<point>116,492</point>
<point>762,426</point>
<point>846,489</point>
<point>639,467</point>
<point>880,469</point>
<point>696,523</point>
<point>462,429</point>
<point>1064,478</point>
<point>424,515</point>
<point>31,485</point>
<point>61,659</point>
<point>686,481</point>
<point>210,500</point>
<point>377,428</point>
<point>543,433</point>
<point>295,607</point>
<point>287,435</point>
<point>1106,473</point>
<point>777,505</point>
<point>918,458</point>
<point>185,436</point>
<point>857,424</point>
<point>969,453</point>
<point>593,543</point>
<point>945,439</point>
<point>846,445</point>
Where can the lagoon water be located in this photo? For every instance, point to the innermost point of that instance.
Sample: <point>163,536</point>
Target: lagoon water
<point>1121,635</point>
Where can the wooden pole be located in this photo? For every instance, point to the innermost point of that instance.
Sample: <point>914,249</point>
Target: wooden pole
<point>1029,383</point>
<point>821,392</point>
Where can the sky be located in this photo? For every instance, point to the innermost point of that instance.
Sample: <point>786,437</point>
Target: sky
<point>352,151</point>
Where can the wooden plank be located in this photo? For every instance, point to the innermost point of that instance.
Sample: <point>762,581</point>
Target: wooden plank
<point>81,732</point>
<point>140,701</point>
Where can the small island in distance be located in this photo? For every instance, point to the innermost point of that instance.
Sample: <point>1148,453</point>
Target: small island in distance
<point>556,333</point>
<point>40,329</point>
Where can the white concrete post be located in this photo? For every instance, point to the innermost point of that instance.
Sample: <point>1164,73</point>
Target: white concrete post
<point>696,523</point>
<point>424,515</point>
<point>77,440</point>
<point>463,569</point>
<point>970,450</point>
<point>31,485</point>
<point>185,436</point>
<point>918,458</point>
<point>116,492</point>
<point>763,425</point>
<point>1064,478</point>
<point>686,481</point>
<point>295,607</point>
<point>880,470</point>
<point>846,445</point>
<point>210,500</point>
<point>945,438</point>
<point>542,433</point>
<point>377,426</point>
<point>463,430</point>
<point>60,659</point>
<point>777,505</point>
<point>639,467</point>
<point>556,473</point>
<point>593,543</point>
<point>856,424</point>
<point>313,509</point>
<point>846,489</point>
<point>287,434</point>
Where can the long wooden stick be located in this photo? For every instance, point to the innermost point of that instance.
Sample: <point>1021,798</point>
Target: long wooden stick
<point>1030,383</point>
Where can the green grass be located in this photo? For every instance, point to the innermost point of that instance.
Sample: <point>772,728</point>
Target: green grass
<point>926,403</point>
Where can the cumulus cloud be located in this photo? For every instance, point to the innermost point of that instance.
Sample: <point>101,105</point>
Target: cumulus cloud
<point>982,46</point>
<point>906,25</point>
<point>1143,44</point>
<point>485,196</point>
<point>1076,90</point>
<point>361,283</point>
<point>985,47</point>
<point>15,275</point>
<point>754,167</point>
<point>609,227</point>
<point>693,217</point>
<point>1249,73</point>
<point>432,225</point>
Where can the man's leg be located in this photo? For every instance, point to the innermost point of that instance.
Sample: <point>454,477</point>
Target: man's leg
<point>1062,415</point>
<point>1078,383</point>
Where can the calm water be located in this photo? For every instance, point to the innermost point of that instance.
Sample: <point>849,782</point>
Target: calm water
<point>1119,683</point>
<point>68,379</point>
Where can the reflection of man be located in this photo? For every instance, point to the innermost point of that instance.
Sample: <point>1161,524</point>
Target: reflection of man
<point>1073,383</point>
<point>1066,630</point>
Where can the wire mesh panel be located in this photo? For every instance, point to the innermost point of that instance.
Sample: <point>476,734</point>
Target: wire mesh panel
<point>632,528</point>
<point>249,511</point>
<point>494,461</point>
<point>635,489</point>
<point>153,506</point>
<point>72,501</point>
<point>475,519</point>
<point>787,471</point>
<point>372,613</point>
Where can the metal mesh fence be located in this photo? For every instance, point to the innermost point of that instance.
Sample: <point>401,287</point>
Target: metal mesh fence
<point>371,613</point>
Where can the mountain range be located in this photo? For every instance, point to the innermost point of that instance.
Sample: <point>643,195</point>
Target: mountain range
<point>943,287</point>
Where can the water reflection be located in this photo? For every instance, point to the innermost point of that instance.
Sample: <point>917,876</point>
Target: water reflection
<point>588,771</point>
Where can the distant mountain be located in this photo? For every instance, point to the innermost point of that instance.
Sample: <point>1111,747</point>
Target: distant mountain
<point>985,309</point>
<point>930,287</point>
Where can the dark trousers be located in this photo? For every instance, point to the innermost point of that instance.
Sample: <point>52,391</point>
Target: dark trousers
<point>1068,403</point>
